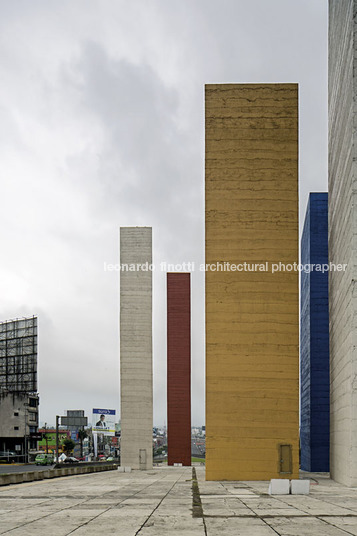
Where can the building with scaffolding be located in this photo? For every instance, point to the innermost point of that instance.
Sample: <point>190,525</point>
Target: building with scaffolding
<point>19,399</point>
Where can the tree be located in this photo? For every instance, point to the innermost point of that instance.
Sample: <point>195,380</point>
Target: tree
<point>82,434</point>
<point>68,445</point>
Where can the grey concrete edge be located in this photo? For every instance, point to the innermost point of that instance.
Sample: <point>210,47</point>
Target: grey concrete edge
<point>30,476</point>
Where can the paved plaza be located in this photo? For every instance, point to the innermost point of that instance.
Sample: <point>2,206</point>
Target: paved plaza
<point>165,501</point>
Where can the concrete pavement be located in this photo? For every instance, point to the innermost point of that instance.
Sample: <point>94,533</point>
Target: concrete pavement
<point>159,502</point>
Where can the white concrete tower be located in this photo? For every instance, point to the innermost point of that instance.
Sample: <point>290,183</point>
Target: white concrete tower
<point>136,384</point>
<point>343,239</point>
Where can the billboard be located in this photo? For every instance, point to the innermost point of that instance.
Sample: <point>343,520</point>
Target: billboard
<point>18,355</point>
<point>74,419</point>
<point>103,421</point>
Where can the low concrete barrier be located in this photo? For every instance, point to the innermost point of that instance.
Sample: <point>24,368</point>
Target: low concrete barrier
<point>4,479</point>
<point>30,476</point>
<point>16,478</point>
<point>57,472</point>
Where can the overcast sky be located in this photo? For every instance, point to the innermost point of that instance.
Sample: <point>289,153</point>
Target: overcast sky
<point>102,126</point>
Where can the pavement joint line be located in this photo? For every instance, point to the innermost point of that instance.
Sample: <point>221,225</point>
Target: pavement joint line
<point>335,526</point>
<point>197,509</point>
<point>307,515</point>
<point>257,516</point>
<point>114,491</point>
<point>25,507</point>
<point>47,515</point>
<point>334,515</point>
<point>329,502</point>
<point>72,506</point>
<point>196,490</point>
<point>269,516</point>
<point>157,506</point>
<point>115,505</point>
<point>38,519</point>
<point>86,523</point>
<point>287,516</point>
<point>321,500</point>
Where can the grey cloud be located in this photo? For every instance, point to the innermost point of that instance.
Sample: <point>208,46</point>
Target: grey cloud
<point>110,106</point>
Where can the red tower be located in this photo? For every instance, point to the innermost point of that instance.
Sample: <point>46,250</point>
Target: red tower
<point>179,368</point>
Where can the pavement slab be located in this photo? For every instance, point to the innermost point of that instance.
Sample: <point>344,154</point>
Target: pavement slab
<point>238,527</point>
<point>348,524</point>
<point>160,503</point>
<point>307,526</point>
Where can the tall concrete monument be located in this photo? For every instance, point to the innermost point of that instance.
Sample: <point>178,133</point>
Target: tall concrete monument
<point>314,338</point>
<point>179,368</point>
<point>252,314</point>
<point>343,239</point>
<point>136,381</point>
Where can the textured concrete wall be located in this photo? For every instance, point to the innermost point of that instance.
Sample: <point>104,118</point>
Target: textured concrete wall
<point>252,318</point>
<point>314,339</point>
<point>179,368</point>
<point>136,390</point>
<point>342,240</point>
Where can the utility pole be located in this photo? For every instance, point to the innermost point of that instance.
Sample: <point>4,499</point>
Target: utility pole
<point>46,438</point>
<point>57,419</point>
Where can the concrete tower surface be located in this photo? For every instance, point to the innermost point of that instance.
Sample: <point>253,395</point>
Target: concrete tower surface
<point>343,239</point>
<point>136,382</point>
<point>252,314</point>
<point>314,338</point>
<point>179,368</point>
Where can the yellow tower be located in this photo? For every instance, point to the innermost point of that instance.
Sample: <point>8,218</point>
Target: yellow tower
<point>252,322</point>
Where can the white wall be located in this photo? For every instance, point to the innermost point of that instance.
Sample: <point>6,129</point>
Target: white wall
<point>342,240</point>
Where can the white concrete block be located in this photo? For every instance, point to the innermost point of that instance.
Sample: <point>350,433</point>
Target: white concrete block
<point>121,469</point>
<point>127,469</point>
<point>279,486</point>
<point>300,487</point>
<point>177,464</point>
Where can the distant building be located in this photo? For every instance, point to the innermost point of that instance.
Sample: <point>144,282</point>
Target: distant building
<point>50,433</point>
<point>18,422</point>
<point>19,399</point>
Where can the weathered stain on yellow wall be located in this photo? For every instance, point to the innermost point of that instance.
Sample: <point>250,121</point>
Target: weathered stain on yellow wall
<point>252,360</point>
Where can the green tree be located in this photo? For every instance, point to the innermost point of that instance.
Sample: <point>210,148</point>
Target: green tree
<point>68,445</point>
<point>82,434</point>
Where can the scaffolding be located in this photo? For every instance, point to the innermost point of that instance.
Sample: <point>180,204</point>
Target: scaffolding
<point>18,356</point>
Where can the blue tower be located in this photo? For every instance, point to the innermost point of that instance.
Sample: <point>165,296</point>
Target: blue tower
<point>314,339</point>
